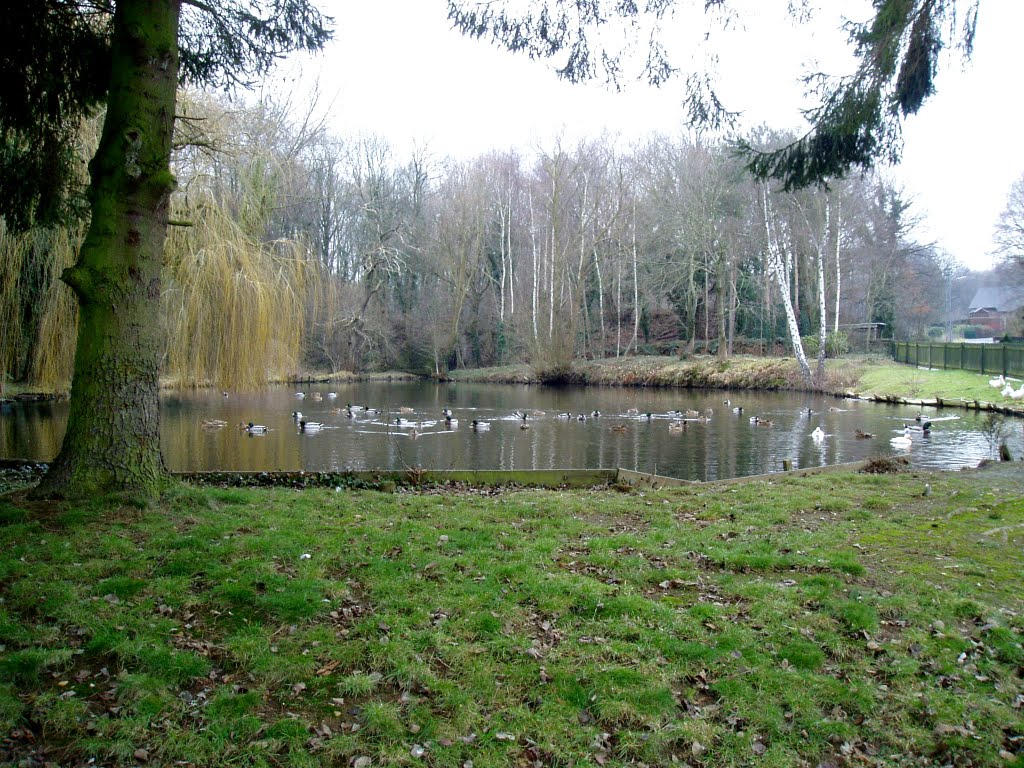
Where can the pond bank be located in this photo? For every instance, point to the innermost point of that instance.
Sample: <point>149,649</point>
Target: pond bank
<point>862,378</point>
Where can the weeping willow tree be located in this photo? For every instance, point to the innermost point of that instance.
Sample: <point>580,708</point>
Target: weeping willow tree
<point>233,307</point>
<point>38,312</point>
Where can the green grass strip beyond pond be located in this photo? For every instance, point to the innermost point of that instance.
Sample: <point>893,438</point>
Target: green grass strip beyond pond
<point>841,619</point>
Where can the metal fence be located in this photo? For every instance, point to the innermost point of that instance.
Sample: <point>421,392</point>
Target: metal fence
<point>1007,359</point>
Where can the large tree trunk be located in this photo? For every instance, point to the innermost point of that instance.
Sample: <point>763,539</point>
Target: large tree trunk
<point>113,433</point>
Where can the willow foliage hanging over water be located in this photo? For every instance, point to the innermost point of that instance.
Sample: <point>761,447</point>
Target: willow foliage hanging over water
<point>233,306</point>
<point>37,311</point>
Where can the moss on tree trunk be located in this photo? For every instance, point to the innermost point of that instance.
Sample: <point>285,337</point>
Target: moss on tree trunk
<point>113,433</point>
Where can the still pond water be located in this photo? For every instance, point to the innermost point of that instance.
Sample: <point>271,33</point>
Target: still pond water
<point>728,444</point>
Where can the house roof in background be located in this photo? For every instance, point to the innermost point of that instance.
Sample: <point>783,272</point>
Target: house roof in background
<point>998,297</point>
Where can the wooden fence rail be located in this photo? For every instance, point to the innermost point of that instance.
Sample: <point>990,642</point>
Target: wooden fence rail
<point>994,359</point>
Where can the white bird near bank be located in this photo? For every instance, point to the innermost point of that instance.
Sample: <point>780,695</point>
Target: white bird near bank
<point>817,435</point>
<point>997,382</point>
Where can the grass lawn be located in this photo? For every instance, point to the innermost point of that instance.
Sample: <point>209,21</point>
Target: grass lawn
<point>881,376</point>
<point>843,619</point>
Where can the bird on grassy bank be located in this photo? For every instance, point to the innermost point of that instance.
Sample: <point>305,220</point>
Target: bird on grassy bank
<point>998,381</point>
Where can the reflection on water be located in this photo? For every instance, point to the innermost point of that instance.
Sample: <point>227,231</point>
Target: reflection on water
<point>632,431</point>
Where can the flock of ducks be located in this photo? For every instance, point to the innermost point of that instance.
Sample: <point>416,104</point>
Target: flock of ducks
<point>679,420</point>
<point>1006,389</point>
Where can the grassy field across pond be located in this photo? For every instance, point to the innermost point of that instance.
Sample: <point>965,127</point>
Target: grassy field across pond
<point>842,619</point>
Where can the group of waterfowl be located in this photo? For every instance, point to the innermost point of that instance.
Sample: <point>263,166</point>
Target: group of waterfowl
<point>679,420</point>
<point>1006,389</point>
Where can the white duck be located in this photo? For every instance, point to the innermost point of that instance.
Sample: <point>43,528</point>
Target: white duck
<point>1018,394</point>
<point>903,441</point>
<point>817,435</point>
<point>997,382</point>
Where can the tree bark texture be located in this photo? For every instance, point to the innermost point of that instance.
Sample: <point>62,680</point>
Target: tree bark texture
<point>113,433</point>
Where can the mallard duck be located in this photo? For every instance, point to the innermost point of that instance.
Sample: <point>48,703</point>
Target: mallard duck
<point>297,415</point>
<point>691,414</point>
<point>862,435</point>
<point>564,415</point>
<point>331,395</point>
<point>213,423</point>
<point>524,425</point>
<point>594,414</point>
<point>256,429</point>
<point>757,421</point>
<point>738,409</point>
<point>336,411</point>
<point>480,426</point>
<point>310,426</point>
<point>581,417</point>
<point>818,434</point>
<point>415,433</point>
<point>447,413</point>
<point>677,426</point>
<point>405,409</point>
<point>727,401</point>
<point>450,422</point>
<point>617,428</point>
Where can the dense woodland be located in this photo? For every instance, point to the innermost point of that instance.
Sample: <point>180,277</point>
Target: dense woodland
<point>294,250</point>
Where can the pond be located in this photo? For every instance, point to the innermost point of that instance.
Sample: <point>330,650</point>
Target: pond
<point>632,431</point>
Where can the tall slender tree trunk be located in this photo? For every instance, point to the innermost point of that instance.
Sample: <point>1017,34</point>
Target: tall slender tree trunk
<point>113,432</point>
<point>778,266</point>
<point>839,271</point>
<point>822,319</point>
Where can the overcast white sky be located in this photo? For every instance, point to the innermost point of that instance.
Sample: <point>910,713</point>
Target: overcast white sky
<point>396,69</point>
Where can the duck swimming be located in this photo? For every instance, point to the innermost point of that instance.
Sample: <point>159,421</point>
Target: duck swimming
<point>480,426</point>
<point>817,435</point>
<point>903,441</point>
<point>310,426</point>
<point>256,429</point>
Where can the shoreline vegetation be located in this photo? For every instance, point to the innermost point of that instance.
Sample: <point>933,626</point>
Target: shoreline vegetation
<point>863,377</point>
